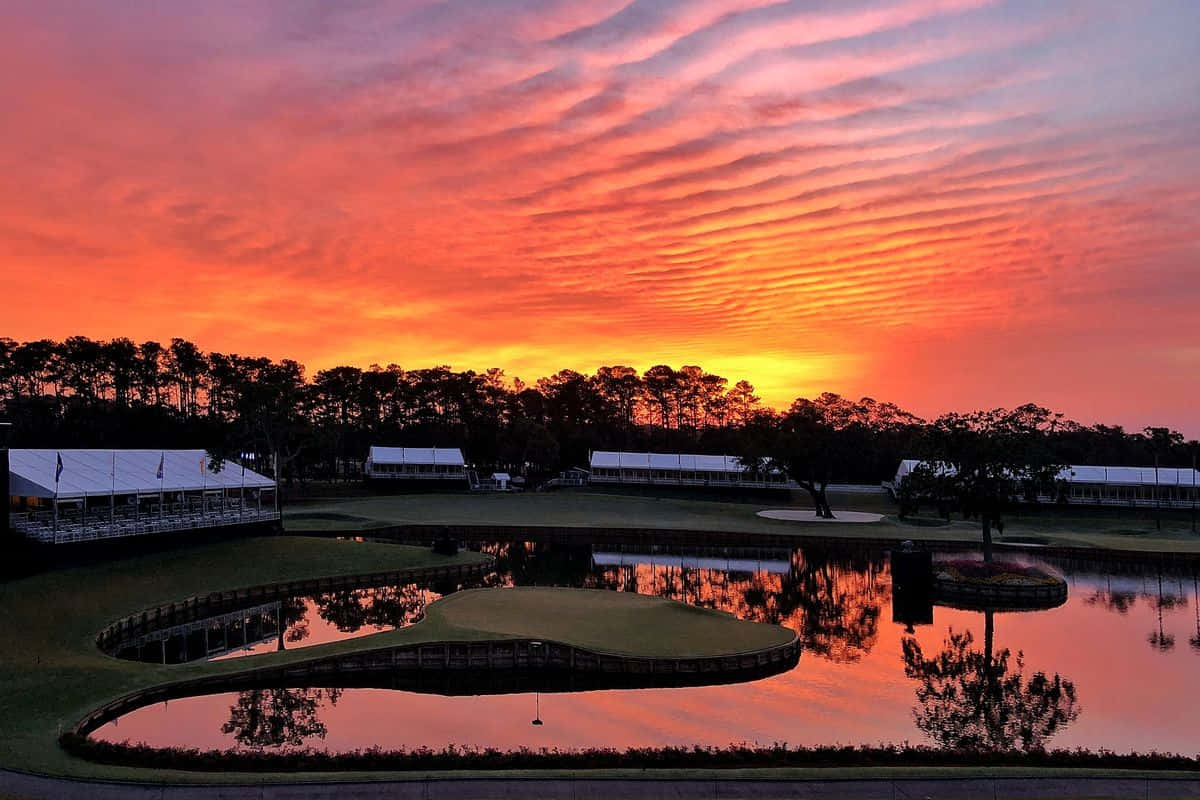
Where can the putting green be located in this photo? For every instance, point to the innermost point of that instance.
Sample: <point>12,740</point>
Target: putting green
<point>613,622</point>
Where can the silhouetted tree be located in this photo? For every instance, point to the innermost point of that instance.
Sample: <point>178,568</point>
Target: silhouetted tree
<point>266,718</point>
<point>988,459</point>
<point>977,700</point>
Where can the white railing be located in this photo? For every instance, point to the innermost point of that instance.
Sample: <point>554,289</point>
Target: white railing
<point>1123,502</point>
<point>714,481</point>
<point>427,476</point>
<point>41,526</point>
<point>184,629</point>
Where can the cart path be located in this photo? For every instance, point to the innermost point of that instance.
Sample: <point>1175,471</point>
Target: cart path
<point>25,785</point>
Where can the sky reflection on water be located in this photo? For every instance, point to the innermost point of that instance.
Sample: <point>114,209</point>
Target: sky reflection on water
<point>1120,660</point>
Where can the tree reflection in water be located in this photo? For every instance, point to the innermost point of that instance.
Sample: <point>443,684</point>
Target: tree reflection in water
<point>380,607</point>
<point>293,621</point>
<point>834,602</point>
<point>273,718</point>
<point>1160,640</point>
<point>1195,640</point>
<point>971,699</point>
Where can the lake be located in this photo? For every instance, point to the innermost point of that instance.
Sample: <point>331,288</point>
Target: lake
<point>1113,667</point>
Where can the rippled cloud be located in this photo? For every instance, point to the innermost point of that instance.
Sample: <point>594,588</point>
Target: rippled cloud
<point>948,203</point>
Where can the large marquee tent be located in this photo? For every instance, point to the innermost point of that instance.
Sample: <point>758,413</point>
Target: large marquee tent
<point>123,472</point>
<point>425,463</point>
<point>63,496</point>
<point>689,469</point>
<point>1168,487</point>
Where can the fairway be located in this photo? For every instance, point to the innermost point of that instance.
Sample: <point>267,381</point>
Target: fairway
<point>1075,527</point>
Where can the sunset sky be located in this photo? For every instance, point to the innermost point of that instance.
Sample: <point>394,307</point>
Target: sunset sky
<point>944,203</point>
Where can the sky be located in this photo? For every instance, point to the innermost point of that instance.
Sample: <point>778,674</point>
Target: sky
<point>948,204</point>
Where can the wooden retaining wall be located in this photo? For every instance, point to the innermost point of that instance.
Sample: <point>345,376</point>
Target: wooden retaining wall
<point>213,604</point>
<point>1000,596</point>
<point>528,656</point>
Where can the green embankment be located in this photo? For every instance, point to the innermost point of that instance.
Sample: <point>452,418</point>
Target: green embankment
<point>1109,529</point>
<point>51,673</point>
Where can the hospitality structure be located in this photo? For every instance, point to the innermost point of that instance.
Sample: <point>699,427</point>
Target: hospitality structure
<point>398,466</point>
<point>60,497</point>
<point>1136,487</point>
<point>683,469</point>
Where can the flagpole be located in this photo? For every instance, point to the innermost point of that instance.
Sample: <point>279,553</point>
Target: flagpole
<point>56,476</point>
<point>162,457</point>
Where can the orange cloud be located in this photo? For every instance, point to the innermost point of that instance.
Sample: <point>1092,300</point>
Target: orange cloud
<point>947,203</point>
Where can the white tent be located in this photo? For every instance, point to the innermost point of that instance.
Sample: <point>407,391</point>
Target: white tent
<point>1105,476</point>
<point>1131,476</point>
<point>1144,487</point>
<point>122,472</point>
<point>689,469</point>
<point>677,462</point>
<point>436,456</point>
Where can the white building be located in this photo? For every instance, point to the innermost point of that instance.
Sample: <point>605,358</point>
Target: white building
<point>1141,487</point>
<point>416,464</point>
<point>62,496</point>
<point>681,469</point>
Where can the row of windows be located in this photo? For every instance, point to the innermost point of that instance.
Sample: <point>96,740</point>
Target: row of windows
<point>417,469</point>
<point>1098,492</point>
<point>676,475</point>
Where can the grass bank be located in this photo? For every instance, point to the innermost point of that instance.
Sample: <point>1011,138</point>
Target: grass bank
<point>51,673</point>
<point>1130,531</point>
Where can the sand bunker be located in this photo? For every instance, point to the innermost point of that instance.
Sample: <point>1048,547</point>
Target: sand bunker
<point>796,515</point>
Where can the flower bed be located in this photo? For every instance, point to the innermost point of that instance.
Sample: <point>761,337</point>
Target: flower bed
<point>1008,573</point>
<point>1000,585</point>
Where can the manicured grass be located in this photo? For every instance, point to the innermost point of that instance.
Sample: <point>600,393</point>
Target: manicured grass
<point>1128,531</point>
<point>613,622</point>
<point>51,673</point>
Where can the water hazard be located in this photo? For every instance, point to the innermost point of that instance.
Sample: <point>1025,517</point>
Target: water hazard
<point>872,670</point>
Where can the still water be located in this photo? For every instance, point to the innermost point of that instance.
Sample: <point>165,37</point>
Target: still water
<point>1114,667</point>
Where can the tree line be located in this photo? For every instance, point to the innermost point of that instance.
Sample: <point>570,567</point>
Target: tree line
<point>82,392</point>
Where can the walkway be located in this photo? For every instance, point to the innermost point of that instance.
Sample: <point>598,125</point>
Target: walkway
<point>30,786</point>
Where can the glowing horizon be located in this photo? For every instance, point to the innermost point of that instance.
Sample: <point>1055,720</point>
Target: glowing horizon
<point>947,204</point>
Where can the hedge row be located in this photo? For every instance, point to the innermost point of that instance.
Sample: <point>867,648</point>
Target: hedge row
<point>733,756</point>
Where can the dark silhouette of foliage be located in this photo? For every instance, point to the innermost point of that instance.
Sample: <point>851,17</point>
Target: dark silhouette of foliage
<point>985,461</point>
<point>979,701</point>
<point>274,718</point>
<point>350,610</point>
<point>118,393</point>
<point>732,757</point>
